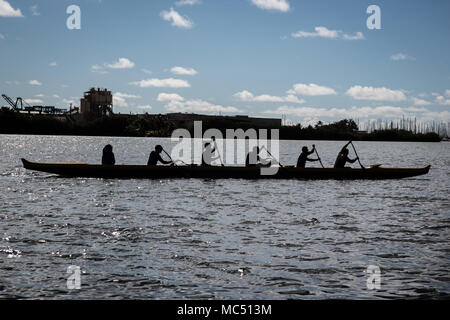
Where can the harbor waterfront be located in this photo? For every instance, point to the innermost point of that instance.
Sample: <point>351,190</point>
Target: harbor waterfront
<point>222,238</point>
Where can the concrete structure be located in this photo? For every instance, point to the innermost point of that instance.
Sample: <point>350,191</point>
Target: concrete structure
<point>96,103</point>
<point>187,120</point>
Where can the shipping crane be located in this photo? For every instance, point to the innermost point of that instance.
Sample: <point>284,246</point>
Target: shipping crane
<point>21,105</point>
<point>15,105</point>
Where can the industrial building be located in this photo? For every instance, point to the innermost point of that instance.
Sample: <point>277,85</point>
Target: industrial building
<point>96,103</point>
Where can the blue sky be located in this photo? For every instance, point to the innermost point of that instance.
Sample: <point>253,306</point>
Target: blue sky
<point>307,60</point>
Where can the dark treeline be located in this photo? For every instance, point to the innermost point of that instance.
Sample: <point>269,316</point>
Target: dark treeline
<point>122,126</point>
<point>156,126</point>
<point>348,130</point>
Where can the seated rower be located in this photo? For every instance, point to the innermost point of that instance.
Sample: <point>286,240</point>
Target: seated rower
<point>301,162</point>
<point>253,159</point>
<point>155,156</point>
<point>208,155</point>
<point>108,155</point>
<point>343,158</point>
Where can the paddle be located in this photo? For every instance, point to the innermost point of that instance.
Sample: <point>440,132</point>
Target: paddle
<point>217,149</point>
<point>318,156</point>
<point>354,149</point>
<point>172,159</point>
<point>268,152</point>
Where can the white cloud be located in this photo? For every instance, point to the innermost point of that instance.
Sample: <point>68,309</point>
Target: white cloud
<point>183,71</point>
<point>147,107</point>
<point>53,64</point>
<point>169,97</point>
<point>244,95</point>
<point>33,101</point>
<point>442,100</point>
<point>123,63</point>
<point>2,37</point>
<point>248,96</point>
<point>34,10</point>
<point>40,95</point>
<point>420,102</point>
<point>98,69</point>
<point>198,105</point>
<point>323,32</point>
<point>356,36</point>
<point>177,19</point>
<point>177,103</point>
<point>162,83</point>
<point>119,99</point>
<point>447,93</point>
<point>293,99</point>
<point>119,102</point>
<point>68,101</point>
<point>376,94</point>
<point>147,71</point>
<point>276,5</point>
<point>126,95</point>
<point>401,56</point>
<point>34,83</point>
<point>441,116</point>
<point>187,2</point>
<point>341,113</point>
<point>311,90</point>
<point>6,10</point>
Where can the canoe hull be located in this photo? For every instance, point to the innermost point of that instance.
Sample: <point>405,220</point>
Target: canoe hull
<point>162,172</point>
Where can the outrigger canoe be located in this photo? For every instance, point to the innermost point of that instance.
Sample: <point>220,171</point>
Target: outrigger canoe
<point>217,172</point>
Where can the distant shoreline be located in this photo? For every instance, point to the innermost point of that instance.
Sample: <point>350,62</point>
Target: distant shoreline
<point>118,126</point>
<point>168,137</point>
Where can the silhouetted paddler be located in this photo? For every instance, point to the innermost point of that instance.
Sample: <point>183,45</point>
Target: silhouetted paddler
<point>155,157</point>
<point>108,155</point>
<point>254,160</point>
<point>301,162</point>
<point>208,155</point>
<point>343,158</point>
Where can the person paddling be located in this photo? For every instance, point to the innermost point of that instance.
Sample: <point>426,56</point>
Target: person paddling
<point>254,160</point>
<point>108,155</point>
<point>301,162</point>
<point>343,158</point>
<point>208,155</point>
<point>155,157</point>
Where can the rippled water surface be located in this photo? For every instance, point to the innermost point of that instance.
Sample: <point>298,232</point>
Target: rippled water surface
<point>222,239</point>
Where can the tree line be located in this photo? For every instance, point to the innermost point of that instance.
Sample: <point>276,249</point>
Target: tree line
<point>12,122</point>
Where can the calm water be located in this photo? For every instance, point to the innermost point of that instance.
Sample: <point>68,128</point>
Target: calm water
<point>222,239</point>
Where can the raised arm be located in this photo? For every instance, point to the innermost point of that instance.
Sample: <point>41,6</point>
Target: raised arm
<point>162,160</point>
<point>344,147</point>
